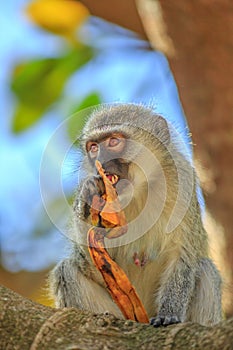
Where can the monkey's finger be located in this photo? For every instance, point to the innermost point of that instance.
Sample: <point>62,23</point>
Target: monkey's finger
<point>171,320</point>
<point>116,232</point>
<point>114,221</point>
<point>164,320</point>
<point>157,321</point>
<point>96,207</point>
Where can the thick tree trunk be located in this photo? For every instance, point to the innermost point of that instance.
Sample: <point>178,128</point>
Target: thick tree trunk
<point>27,325</point>
<point>202,33</point>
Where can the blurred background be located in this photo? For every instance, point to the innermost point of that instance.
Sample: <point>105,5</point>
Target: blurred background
<point>59,57</point>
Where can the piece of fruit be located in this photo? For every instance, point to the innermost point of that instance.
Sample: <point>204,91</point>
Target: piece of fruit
<point>107,211</point>
<point>112,216</point>
<point>118,284</point>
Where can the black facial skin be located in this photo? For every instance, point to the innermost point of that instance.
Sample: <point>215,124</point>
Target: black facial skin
<point>109,151</point>
<point>116,167</point>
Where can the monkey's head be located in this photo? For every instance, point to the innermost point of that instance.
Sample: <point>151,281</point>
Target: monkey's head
<point>121,135</point>
<point>139,154</point>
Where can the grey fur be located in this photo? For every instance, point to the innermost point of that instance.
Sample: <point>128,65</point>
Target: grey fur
<point>177,281</point>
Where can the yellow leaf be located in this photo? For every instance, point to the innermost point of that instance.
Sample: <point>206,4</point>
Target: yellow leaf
<point>57,16</point>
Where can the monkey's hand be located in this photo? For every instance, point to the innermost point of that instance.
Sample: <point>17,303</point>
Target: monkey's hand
<point>164,320</point>
<point>92,186</point>
<point>175,294</point>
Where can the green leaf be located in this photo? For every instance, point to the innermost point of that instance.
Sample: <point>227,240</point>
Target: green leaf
<point>22,120</point>
<point>90,100</point>
<point>76,122</point>
<point>38,84</point>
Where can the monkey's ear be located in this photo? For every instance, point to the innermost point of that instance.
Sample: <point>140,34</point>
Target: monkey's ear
<point>160,129</point>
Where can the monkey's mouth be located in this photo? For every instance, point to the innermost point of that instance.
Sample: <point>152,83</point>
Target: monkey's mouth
<point>113,178</point>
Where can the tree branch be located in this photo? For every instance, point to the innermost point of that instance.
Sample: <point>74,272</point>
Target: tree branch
<point>121,12</point>
<point>28,325</point>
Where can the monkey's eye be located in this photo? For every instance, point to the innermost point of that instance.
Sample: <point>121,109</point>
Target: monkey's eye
<point>92,148</point>
<point>114,141</point>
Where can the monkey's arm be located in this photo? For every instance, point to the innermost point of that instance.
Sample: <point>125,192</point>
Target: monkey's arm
<point>177,287</point>
<point>190,293</point>
<point>73,285</point>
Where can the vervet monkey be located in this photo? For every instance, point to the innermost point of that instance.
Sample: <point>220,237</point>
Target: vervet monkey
<point>165,251</point>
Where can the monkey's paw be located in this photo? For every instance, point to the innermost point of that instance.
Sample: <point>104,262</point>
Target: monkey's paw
<point>164,320</point>
<point>92,186</point>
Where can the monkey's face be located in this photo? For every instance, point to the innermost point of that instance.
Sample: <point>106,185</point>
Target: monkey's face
<point>110,150</point>
<point>132,145</point>
<point>132,168</point>
<point>118,154</point>
<point>127,162</point>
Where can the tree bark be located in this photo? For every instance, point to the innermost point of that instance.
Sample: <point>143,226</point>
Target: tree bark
<point>28,325</point>
<point>121,12</point>
<point>202,32</point>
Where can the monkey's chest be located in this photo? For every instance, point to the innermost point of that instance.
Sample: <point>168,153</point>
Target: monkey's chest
<point>144,276</point>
